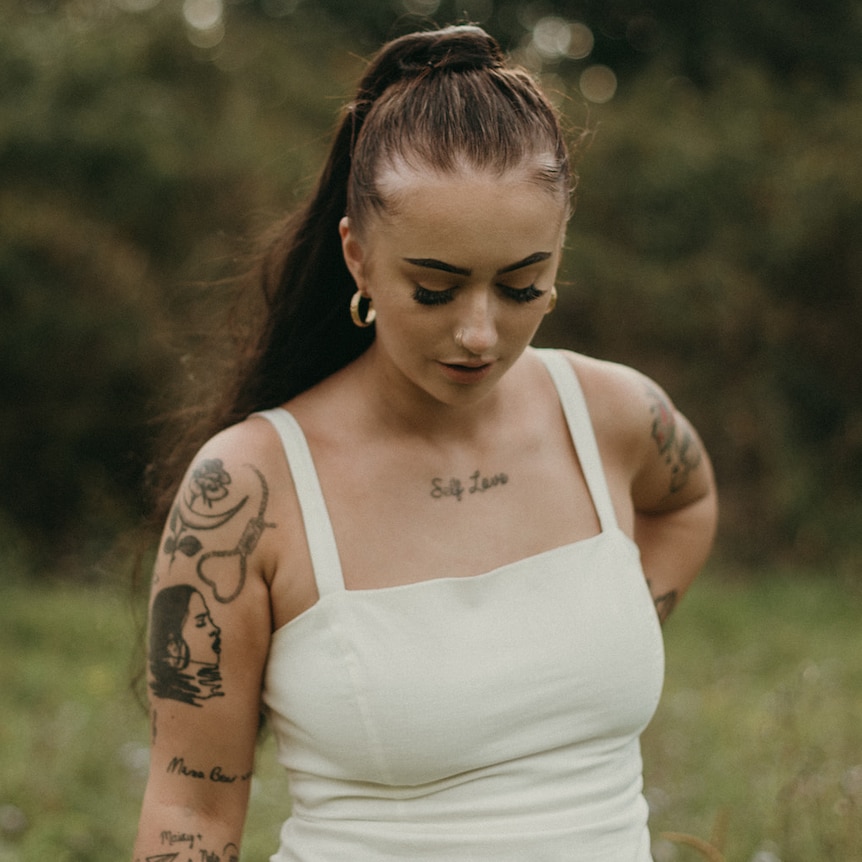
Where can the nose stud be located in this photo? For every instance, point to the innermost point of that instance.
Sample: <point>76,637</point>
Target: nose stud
<point>459,338</point>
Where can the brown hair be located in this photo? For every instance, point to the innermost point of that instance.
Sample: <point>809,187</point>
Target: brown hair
<point>444,100</point>
<point>438,99</point>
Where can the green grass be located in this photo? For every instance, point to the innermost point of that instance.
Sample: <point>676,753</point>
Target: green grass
<point>758,739</point>
<point>759,733</point>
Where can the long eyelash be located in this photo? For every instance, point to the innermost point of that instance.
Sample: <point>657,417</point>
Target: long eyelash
<point>431,297</point>
<point>526,294</point>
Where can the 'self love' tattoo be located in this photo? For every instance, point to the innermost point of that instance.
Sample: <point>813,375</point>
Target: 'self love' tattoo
<point>477,484</point>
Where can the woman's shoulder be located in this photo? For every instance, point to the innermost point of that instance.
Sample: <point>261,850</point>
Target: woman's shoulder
<point>624,403</point>
<point>252,444</point>
<point>610,385</point>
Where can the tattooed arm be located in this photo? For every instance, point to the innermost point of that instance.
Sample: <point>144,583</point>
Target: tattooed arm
<point>654,456</point>
<point>675,503</point>
<point>674,498</point>
<point>208,640</point>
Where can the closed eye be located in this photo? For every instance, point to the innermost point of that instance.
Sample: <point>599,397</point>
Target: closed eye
<point>432,297</point>
<point>524,294</point>
<point>424,296</point>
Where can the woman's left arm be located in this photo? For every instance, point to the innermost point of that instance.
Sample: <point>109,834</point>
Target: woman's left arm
<point>675,502</point>
<point>660,475</point>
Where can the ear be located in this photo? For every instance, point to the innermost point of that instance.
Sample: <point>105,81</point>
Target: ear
<point>354,253</point>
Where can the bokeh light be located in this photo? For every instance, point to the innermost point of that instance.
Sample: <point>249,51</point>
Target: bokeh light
<point>581,42</point>
<point>552,37</point>
<point>203,14</point>
<point>421,7</point>
<point>205,19</point>
<point>598,84</point>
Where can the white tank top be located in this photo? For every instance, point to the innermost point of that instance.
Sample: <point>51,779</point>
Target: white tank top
<point>493,718</point>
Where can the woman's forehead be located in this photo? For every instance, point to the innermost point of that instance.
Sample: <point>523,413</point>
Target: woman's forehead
<point>469,218</point>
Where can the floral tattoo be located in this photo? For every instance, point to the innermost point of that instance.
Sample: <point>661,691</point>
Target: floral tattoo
<point>198,512</point>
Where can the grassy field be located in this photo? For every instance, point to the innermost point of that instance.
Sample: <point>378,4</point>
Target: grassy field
<point>757,745</point>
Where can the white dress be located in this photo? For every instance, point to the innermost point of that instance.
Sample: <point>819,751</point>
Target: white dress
<point>493,718</point>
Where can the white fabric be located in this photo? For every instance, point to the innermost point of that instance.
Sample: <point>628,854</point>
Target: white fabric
<point>494,717</point>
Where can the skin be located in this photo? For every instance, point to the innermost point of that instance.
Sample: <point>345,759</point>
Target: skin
<point>444,444</point>
<point>200,633</point>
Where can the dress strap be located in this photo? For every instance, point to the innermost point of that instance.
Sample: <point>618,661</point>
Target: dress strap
<point>315,516</point>
<point>581,430</point>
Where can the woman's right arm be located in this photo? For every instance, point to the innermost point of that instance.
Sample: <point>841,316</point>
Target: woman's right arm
<point>209,632</point>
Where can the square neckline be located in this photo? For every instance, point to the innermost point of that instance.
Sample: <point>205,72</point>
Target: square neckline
<point>323,548</point>
<point>449,581</point>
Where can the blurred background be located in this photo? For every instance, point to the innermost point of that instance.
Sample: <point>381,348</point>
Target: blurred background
<point>717,246</point>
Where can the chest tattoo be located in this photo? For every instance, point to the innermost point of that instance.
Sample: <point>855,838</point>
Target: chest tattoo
<point>476,483</point>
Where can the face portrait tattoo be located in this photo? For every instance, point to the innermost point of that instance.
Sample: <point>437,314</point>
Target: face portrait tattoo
<point>185,645</point>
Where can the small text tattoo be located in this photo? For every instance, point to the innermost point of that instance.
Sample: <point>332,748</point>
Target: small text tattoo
<point>185,646</point>
<point>679,450</point>
<point>216,774</point>
<point>171,838</point>
<point>192,850</point>
<point>476,484</point>
<point>206,505</point>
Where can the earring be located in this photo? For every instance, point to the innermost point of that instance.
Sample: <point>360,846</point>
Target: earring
<point>354,311</point>
<point>552,302</point>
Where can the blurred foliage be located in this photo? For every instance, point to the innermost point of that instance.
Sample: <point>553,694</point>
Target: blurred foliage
<point>716,244</point>
<point>126,159</point>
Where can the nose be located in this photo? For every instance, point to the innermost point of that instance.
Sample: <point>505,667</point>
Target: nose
<point>476,329</point>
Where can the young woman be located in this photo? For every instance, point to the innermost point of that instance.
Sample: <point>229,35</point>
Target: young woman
<point>438,556</point>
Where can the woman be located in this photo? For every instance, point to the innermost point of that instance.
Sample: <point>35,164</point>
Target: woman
<point>434,566</point>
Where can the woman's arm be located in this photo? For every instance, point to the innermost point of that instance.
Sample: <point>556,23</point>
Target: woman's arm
<point>675,501</point>
<point>209,632</point>
<point>665,489</point>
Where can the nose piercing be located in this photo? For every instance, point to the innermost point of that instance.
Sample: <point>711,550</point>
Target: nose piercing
<point>459,338</point>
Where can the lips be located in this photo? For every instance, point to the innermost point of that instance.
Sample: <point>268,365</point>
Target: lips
<point>466,372</point>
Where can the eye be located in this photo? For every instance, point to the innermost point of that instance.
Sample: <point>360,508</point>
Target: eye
<point>524,294</point>
<point>432,297</point>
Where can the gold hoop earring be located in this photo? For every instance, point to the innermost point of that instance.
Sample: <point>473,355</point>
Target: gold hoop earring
<point>552,302</point>
<point>354,311</point>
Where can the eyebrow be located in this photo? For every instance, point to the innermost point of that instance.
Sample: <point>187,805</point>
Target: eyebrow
<point>432,263</point>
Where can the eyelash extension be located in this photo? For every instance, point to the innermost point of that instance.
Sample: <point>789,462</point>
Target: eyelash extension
<point>526,294</point>
<point>432,297</point>
<point>440,297</point>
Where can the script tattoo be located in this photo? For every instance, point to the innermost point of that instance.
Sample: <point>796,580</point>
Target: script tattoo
<point>216,774</point>
<point>194,852</point>
<point>454,487</point>
<point>679,450</point>
<point>205,506</point>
